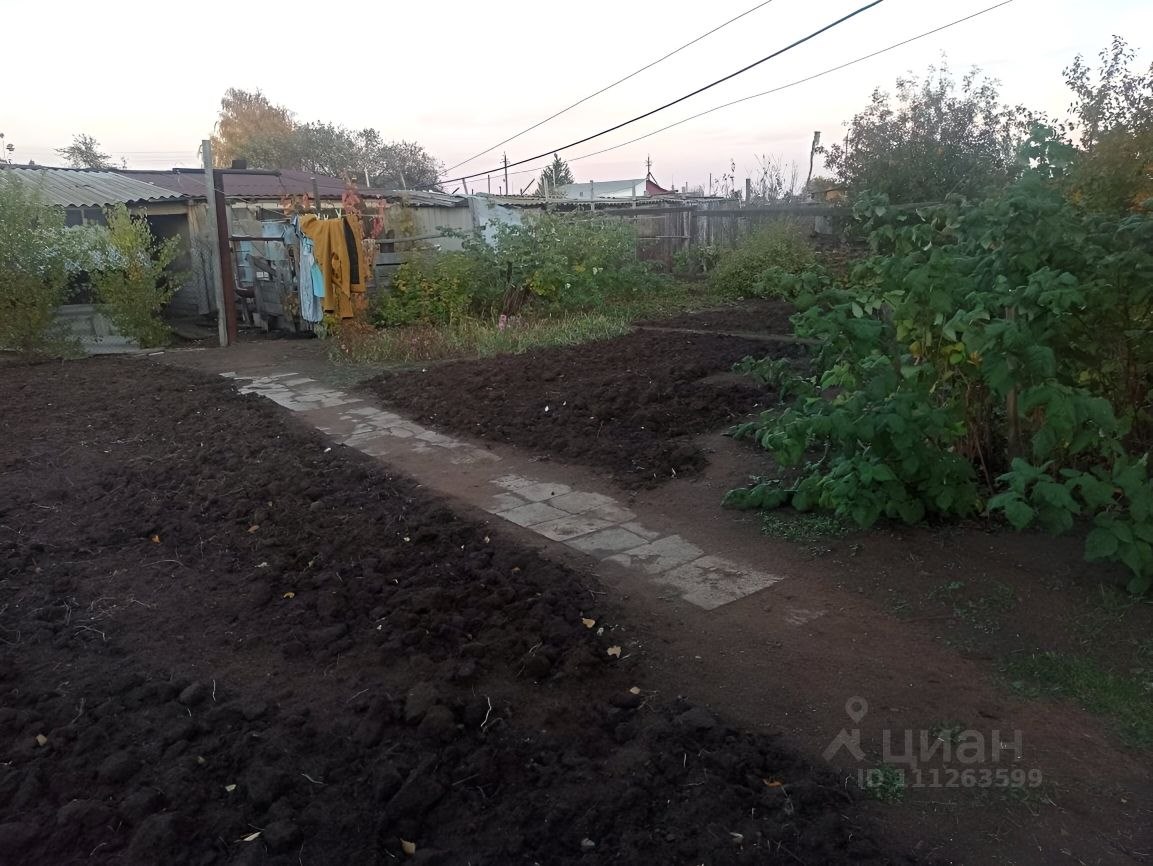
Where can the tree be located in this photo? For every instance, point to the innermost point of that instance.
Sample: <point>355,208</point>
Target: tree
<point>934,140</point>
<point>268,136</point>
<point>404,165</point>
<point>33,267</point>
<point>1114,114</point>
<point>556,174</point>
<point>84,152</point>
<point>252,128</point>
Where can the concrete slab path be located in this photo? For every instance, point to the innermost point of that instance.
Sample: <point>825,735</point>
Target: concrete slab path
<point>592,523</point>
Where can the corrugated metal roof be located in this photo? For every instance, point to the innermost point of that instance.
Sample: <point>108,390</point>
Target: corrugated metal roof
<point>85,187</point>
<point>271,186</point>
<point>536,201</point>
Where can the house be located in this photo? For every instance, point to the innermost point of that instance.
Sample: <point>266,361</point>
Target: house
<point>643,187</point>
<point>256,198</point>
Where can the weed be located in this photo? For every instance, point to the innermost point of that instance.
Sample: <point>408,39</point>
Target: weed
<point>1127,700</point>
<point>982,613</point>
<point>803,527</point>
<point>885,783</point>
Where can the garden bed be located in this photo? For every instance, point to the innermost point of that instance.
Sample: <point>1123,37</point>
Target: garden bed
<point>224,641</point>
<point>750,317</point>
<point>631,405</point>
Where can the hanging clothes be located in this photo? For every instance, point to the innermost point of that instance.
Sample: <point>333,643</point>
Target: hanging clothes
<point>337,251</point>
<point>309,277</point>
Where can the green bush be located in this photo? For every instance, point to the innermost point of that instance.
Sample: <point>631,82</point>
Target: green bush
<point>133,284</point>
<point>432,288</point>
<point>749,269</point>
<point>995,356</point>
<point>35,249</point>
<point>560,262</point>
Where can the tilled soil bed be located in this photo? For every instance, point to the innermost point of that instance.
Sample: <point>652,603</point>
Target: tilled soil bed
<point>749,317</point>
<point>223,641</point>
<point>630,405</point>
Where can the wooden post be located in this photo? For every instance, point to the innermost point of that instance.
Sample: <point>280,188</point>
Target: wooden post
<point>316,196</point>
<point>225,291</point>
<point>748,190</point>
<point>505,157</point>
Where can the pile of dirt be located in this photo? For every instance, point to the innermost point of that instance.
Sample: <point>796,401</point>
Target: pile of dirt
<point>749,317</point>
<point>224,641</point>
<point>630,405</point>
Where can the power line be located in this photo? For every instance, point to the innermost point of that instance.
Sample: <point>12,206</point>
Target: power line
<point>799,81</point>
<point>699,90</point>
<point>829,71</point>
<point>609,86</point>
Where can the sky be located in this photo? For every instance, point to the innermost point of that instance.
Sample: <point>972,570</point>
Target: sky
<point>459,76</point>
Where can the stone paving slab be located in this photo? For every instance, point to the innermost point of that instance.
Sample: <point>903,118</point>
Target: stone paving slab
<point>591,523</point>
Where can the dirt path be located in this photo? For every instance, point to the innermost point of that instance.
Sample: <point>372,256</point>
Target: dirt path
<point>795,654</point>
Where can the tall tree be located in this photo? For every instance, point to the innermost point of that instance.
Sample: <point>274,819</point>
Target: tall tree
<point>268,136</point>
<point>252,128</point>
<point>85,152</point>
<point>1113,111</point>
<point>556,173</point>
<point>934,139</point>
<point>402,164</point>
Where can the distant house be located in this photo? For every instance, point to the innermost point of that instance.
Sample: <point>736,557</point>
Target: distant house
<point>641,187</point>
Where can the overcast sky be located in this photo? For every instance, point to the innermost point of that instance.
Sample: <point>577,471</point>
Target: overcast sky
<point>460,76</point>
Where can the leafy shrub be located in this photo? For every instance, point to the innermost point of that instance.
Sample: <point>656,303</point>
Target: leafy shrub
<point>560,262</point>
<point>428,289</point>
<point>695,261</point>
<point>995,355</point>
<point>133,284</point>
<point>750,269</point>
<point>35,249</point>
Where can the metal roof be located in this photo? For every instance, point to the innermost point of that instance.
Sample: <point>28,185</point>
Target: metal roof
<point>86,187</point>
<point>273,185</point>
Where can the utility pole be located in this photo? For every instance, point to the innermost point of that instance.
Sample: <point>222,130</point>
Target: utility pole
<point>648,167</point>
<point>505,157</point>
<point>488,179</point>
<point>813,153</point>
<point>219,244</point>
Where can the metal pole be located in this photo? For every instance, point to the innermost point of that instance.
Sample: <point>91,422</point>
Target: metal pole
<point>218,254</point>
<point>505,173</point>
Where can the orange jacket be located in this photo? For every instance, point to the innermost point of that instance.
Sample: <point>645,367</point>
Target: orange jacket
<point>344,276</point>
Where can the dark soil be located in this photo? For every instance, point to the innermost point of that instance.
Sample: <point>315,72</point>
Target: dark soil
<point>222,641</point>
<point>750,317</point>
<point>630,405</point>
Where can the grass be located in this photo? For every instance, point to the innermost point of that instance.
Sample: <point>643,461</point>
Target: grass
<point>803,527</point>
<point>885,783</point>
<point>481,337</point>
<point>1128,700</point>
<point>477,338</point>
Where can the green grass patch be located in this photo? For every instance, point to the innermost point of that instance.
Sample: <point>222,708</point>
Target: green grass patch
<point>1127,700</point>
<point>476,338</point>
<point>803,527</point>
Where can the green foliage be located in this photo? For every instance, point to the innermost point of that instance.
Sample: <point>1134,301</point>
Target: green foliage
<point>85,152</point>
<point>752,269</point>
<point>993,355</point>
<point>935,140</point>
<point>35,249</point>
<point>695,261</point>
<point>559,263</point>
<point>1113,109</point>
<point>1125,699</point>
<point>434,287</point>
<point>134,284</point>
<point>251,127</point>
<point>556,173</point>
